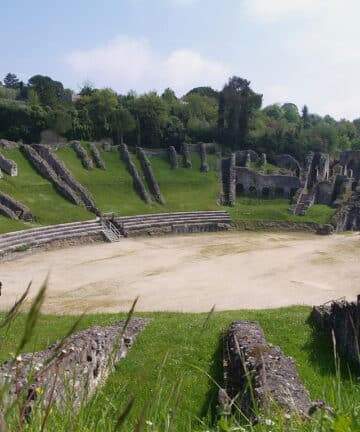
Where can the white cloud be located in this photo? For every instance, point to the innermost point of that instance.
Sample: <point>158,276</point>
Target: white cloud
<point>126,63</point>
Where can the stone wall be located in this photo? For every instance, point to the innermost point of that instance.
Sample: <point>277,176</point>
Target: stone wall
<point>81,362</point>
<point>185,149</point>
<point>347,218</point>
<point>82,154</point>
<point>325,192</point>
<point>149,176</point>
<point>8,145</point>
<point>173,157</point>
<point>232,180</point>
<point>65,175</point>
<point>242,155</point>
<point>45,170</point>
<point>155,152</point>
<point>138,183</point>
<point>99,162</point>
<point>254,368</point>
<point>203,158</point>
<point>351,161</point>
<point>8,165</point>
<point>288,162</point>
<point>343,319</point>
<point>250,182</point>
<point>19,210</point>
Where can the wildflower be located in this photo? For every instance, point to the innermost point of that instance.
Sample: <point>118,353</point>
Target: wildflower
<point>149,423</point>
<point>269,422</point>
<point>39,390</point>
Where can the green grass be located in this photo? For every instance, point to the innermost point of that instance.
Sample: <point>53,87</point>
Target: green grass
<point>175,350</point>
<point>257,209</point>
<point>39,195</point>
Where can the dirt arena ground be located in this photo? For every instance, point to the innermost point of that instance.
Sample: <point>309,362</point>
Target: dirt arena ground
<point>190,273</point>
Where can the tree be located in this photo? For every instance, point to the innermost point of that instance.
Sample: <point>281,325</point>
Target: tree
<point>305,117</point>
<point>101,105</point>
<point>50,92</point>
<point>238,102</point>
<point>122,122</point>
<point>11,81</point>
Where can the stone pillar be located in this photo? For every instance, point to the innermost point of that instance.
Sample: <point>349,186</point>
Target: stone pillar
<point>248,160</point>
<point>263,161</point>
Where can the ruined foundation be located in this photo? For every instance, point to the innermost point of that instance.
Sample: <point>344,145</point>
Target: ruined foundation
<point>150,176</point>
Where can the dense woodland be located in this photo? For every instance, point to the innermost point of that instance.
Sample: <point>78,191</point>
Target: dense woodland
<point>233,117</point>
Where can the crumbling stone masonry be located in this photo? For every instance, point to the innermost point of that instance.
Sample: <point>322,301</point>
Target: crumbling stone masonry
<point>80,363</point>
<point>99,162</point>
<point>13,209</point>
<point>8,165</point>
<point>186,155</point>
<point>204,164</point>
<point>343,319</point>
<point>149,175</point>
<point>251,362</point>
<point>138,183</point>
<point>82,153</point>
<point>173,157</point>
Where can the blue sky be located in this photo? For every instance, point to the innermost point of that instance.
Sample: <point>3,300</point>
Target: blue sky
<point>301,51</point>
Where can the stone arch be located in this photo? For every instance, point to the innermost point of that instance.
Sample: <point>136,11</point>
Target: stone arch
<point>279,192</point>
<point>266,192</point>
<point>252,191</point>
<point>239,189</point>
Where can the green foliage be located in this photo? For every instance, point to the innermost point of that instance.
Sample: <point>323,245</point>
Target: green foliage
<point>50,92</point>
<point>11,81</point>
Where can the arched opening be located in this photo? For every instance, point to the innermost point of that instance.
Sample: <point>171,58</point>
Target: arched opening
<point>252,191</point>
<point>239,189</point>
<point>266,192</point>
<point>279,192</point>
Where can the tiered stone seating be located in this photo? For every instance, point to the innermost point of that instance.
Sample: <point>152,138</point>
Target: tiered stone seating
<point>39,236</point>
<point>170,222</point>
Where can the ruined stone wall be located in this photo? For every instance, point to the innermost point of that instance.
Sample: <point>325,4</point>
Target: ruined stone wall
<point>288,162</point>
<point>254,368</point>
<point>60,169</point>
<point>241,156</point>
<point>5,211</point>
<point>325,192</point>
<point>138,183</point>
<point>155,152</point>
<point>46,170</point>
<point>253,183</point>
<point>99,162</point>
<point>81,362</point>
<point>149,175</point>
<point>19,209</point>
<point>185,149</point>
<point>173,157</point>
<point>8,145</point>
<point>232,180</point>
<point>351,160</point>
<point>343,319</point>
<point>347,218</point>
<point>203,158</point>
<point>8,165</point>
<point>82,154</point>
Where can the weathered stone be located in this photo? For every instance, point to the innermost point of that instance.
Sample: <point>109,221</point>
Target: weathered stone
<point>347,218</point>
<point>263,161</point>
<point>254,366</point>
<point>8,145</point>
<point>8,165</point>
<point>17,208</point>
<point>99,162</point>
<point>81,363</point>
<point>341,318</point>
<point>186,155</point>
<point>173,157</point>
<point>204,164</point>
<point>242,157</point>
<point>288,162</point>
<point>149,176</point>
<point>138,183</point>
<point>82,153</point>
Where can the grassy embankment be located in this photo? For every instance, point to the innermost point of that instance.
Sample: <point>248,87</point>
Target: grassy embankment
<point>183,189</point>
<point>178,355</point>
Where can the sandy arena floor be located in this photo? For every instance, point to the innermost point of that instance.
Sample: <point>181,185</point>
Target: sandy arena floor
<point>190,273</point>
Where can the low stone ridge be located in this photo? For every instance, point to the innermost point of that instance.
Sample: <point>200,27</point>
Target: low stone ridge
<point>8,165</point>
<point>173,157</point>
<point>8,145</point>
<point>65,175</point>
<point>82,153</point>
<point>251,361</point>
<point>14,209</point>
<point>138,183</point>
<point>186,155</point>
<point>203,157</point>
<point>81,362</point>
<point>99,162</point>
<point>149,176</point>
<point>343,319</point>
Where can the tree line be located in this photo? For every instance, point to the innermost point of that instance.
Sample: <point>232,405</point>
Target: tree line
<point>233,117</point>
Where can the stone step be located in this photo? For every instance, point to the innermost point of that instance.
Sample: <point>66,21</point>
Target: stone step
<point>164,215</point>
<point>49,235</point>
<point>49,228</point>
<point>44,240</point>
<point>173,222</point>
